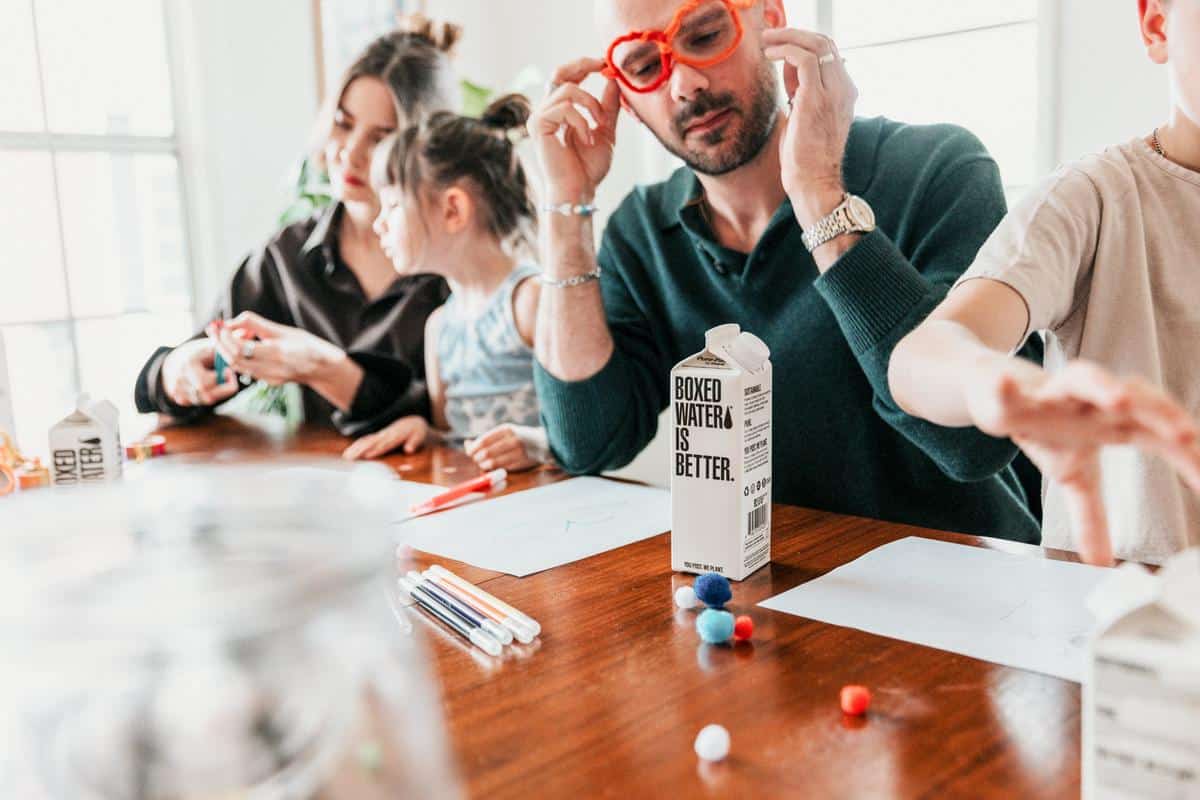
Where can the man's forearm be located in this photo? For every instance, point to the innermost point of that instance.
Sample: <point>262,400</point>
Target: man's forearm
<point>810,207</point>
<point>572,339</point>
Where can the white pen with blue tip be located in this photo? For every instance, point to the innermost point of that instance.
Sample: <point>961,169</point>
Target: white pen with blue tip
<point>510,617</point>
<point>475,634</point>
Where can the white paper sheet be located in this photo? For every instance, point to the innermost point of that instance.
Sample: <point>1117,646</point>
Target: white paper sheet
<point>541,528</point>
<point>1020,611</point>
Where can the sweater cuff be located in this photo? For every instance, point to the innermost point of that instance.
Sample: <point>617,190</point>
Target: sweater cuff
<point>871,289</point>
<point>574,412</point>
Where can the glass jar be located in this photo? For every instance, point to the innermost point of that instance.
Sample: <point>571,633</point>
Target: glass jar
<point>206,631</point>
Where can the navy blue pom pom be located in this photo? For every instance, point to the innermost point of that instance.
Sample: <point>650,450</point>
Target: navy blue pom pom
<point>713,590</point>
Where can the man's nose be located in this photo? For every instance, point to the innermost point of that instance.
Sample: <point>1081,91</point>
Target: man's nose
<point>687,82</point>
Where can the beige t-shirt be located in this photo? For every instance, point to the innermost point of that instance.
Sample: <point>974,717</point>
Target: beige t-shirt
<point>1106,253</point>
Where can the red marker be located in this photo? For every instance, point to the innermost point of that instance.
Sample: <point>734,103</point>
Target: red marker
<point>484,483</point>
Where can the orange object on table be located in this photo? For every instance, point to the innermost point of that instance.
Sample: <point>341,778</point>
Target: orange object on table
<point>32,475</point>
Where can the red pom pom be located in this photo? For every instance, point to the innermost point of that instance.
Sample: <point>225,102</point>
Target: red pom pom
<point>743,628</point>
<point>855,699</point>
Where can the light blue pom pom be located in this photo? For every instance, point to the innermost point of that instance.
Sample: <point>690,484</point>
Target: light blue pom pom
<point>715,626</point>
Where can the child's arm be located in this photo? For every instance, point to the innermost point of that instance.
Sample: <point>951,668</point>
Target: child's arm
<point>955,369</point>
<point>433,377</point>
<point>525,308</point>
<point>961,347</point>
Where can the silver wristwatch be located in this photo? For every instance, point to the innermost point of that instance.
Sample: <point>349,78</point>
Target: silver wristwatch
<point>854,215</point>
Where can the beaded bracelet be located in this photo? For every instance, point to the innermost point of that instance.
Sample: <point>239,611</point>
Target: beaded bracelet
<point>574,280</point>
<point>570,209</point>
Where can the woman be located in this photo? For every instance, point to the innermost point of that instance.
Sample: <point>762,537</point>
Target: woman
<point>321,304</point>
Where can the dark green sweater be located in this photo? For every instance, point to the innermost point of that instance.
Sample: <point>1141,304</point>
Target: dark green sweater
<point>840,441</point>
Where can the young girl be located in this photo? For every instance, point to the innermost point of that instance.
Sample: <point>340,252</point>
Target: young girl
<point>455,202</point>
<point>1102,260</point>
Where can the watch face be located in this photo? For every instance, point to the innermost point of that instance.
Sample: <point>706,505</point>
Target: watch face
<point>861,213</point>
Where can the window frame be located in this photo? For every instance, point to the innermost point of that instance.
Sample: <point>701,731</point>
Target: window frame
<point>52,144</point>
<point>1048,21</point>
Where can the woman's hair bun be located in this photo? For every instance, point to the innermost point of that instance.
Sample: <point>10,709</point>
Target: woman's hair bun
<point>442,35</point>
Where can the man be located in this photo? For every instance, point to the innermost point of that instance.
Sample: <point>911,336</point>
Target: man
<point>828,237</point>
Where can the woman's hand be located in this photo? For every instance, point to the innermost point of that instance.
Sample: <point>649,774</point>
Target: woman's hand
<point>409,432</point>
<point>270,352</point>
<point>189,376</point>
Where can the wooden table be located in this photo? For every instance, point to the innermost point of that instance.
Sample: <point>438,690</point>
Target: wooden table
<point>609,700</point>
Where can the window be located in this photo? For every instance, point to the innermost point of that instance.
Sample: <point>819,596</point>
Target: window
<point>347,27</point>
<point>96,270</point>
<point>974,63</point>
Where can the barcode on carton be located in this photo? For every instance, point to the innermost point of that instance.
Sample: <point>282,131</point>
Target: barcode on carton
<point>756,519</point>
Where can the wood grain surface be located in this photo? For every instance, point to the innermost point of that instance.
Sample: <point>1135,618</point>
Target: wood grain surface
<point>608,700</point>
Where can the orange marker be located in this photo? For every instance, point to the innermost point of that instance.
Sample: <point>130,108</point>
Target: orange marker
<point>484,483</point>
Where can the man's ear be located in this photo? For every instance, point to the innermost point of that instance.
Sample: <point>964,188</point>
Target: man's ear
<point>458,209</point>
<point>774,14</point>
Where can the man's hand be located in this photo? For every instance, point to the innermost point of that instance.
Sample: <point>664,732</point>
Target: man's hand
<point>575,166</point>
<point>1062,421</point>
<point>822,97</point>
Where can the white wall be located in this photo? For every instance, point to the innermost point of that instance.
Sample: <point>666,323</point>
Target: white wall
<point>245,97</point>
<point>1107,90</point>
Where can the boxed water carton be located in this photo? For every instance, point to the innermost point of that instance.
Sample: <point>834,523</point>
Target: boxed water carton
<point>1141,700</point>
<point>721,456</point>
<point>85,447</point>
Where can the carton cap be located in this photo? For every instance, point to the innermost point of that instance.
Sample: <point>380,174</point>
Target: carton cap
<point>720,336</point>
<point>749,351</point>
<point>1175,589</point>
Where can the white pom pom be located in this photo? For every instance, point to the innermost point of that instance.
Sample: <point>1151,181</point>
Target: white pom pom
<point>685,597</point>
<point>712,743</point>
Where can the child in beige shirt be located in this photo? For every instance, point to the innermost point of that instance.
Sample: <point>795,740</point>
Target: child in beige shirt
<point>1103,259</point>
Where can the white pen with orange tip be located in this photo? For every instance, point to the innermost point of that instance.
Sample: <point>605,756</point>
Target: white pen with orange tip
<point>521,619</point>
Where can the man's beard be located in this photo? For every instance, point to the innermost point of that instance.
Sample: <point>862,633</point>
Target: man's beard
<point>757,124</point>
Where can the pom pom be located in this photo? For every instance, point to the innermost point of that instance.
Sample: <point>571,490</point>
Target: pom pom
<point>714,626</point>
<point>712,743</point>
<point>855,700</point>
<point>685,597</point>
<point>713,590</point>
<point>743,628</point>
